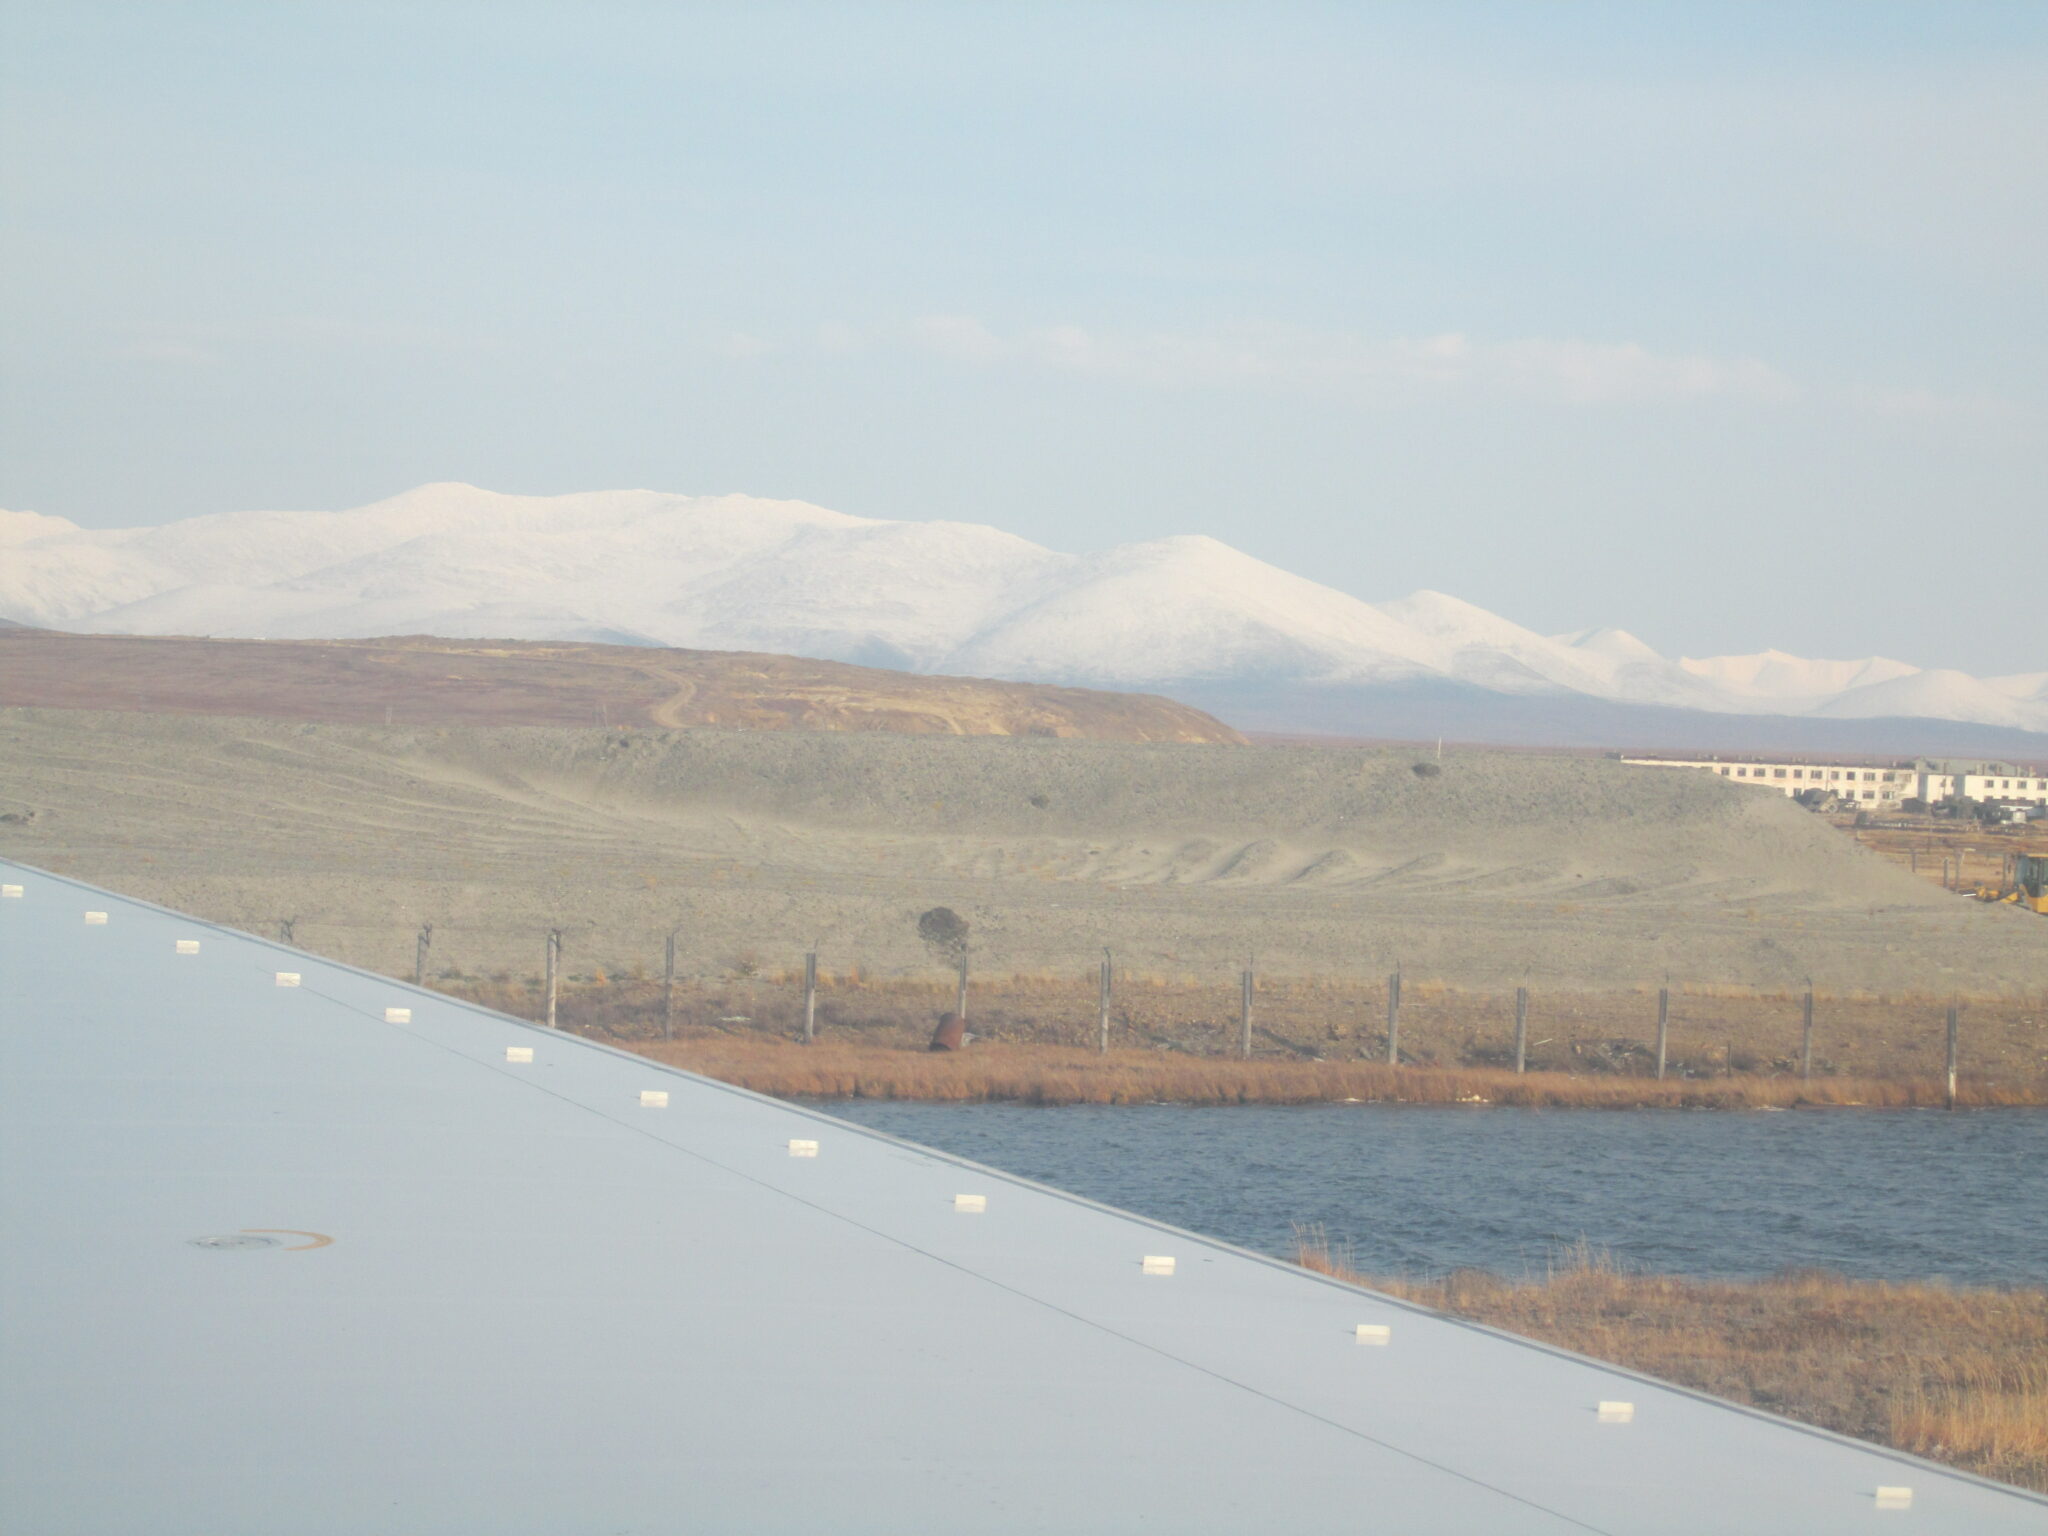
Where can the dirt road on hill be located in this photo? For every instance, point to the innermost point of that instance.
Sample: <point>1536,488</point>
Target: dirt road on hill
<point>417,680</point>
<point>1501,869</point>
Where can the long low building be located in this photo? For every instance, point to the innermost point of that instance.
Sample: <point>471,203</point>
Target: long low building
<point>1983,781</point>
<point>1889,784</point>
<point>297,1250</point>
<point>1851,781</point>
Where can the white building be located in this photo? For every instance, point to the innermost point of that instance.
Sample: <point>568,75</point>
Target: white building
<point>1852,781</point>
<point>1881,784</point>
<point>2008,782</point>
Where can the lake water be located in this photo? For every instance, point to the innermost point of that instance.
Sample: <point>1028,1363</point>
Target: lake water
<point>1894,1194</point>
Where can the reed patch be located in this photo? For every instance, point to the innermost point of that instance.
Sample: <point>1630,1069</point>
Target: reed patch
<point>1959,1375</point>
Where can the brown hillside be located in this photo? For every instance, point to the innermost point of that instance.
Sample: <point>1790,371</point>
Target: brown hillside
<point>416,680</point>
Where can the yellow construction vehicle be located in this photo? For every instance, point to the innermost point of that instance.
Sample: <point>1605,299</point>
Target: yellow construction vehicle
<point>2026,883</point>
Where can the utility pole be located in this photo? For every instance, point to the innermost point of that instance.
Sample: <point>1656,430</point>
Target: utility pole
<point>1102,1005</point>
<point>1521,1029</point>
<point>1244,1013</point>
<point>1806,1035</point>
<point>1394,1018</point>
<point>811,994</point>
<point>554,969</point>
<point>419,954</point>
<point>668,987</point>
<point>960,999</point>
<point>1663,1029</point>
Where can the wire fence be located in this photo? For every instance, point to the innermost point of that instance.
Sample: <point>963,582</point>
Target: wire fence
<point>654,985</point>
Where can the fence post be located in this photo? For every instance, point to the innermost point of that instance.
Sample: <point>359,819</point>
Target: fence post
<point>1952,1024</point>
<point>1663,1029</point>
<point>960,999</point>
<point>1394,1018</point>
<point>554,966</point>
<point>811,995</point>
<point>1102,1005</point>
<point>668,987</point>
<point>419,954</point>
<point>1244,1014</point>
<point>1806,1036</point>
<point>1521,1029</point>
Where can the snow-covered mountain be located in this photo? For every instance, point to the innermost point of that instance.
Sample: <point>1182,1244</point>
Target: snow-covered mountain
<point>1187,614</point>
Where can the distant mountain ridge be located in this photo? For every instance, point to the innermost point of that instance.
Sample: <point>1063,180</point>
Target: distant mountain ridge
<point>1187,615</point>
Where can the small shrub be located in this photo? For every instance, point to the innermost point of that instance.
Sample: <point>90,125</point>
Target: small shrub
<point>944,932</point>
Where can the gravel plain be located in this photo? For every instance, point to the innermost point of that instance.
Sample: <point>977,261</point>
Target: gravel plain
<point>1487,869</point>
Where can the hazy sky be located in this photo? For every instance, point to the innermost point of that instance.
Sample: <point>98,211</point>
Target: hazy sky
<point>1722,324</point>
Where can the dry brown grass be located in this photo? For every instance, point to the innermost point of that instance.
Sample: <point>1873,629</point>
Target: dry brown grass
<point>1053,1074</point>
<point>1314,1040</point>
<point>1957,1375</point>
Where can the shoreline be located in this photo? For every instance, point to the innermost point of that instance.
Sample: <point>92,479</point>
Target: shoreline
<point>1049,1075</point>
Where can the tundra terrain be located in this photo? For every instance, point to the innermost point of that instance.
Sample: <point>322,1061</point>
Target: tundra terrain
<point>1484,871</point>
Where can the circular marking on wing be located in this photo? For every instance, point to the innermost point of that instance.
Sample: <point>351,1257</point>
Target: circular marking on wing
<point>235,1240</point>
<point>320,1239</point>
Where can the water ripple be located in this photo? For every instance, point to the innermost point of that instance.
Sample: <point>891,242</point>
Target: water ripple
<point>1896,1195</point>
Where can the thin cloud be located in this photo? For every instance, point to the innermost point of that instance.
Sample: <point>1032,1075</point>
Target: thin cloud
<point>1569,370</point>
<point>743,346</point>
<point>174,352</point>
<point>1928,404</point>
